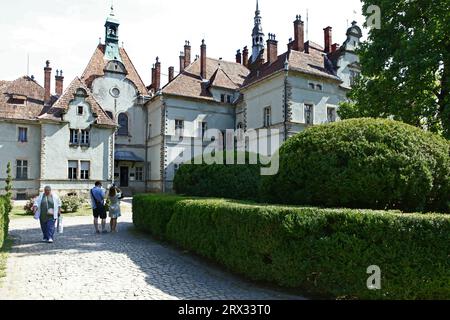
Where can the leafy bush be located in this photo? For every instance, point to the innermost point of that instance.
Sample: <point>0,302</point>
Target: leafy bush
<point>363,163</point>
<point>28,207</point>
<point>323,252</point>
<point>230,181</point>
<point>70,204</point>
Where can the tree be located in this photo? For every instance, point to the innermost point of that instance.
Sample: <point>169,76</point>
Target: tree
<point>405,65</point>
<point>8,187</point>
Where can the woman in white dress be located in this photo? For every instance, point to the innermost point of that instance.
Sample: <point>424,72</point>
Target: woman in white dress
<point>114,207</point>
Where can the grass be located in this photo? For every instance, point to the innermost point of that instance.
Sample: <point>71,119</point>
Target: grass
<point>18,212</point>
<point>4,251</point>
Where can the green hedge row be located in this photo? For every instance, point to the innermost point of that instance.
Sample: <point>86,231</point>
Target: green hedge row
<point>322,252</point>
<point>220,180</point>
<point>4,219</point>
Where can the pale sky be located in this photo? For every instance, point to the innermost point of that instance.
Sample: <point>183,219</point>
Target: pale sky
<point>67,32</point>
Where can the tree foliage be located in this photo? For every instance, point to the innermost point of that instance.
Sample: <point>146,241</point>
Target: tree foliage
<point>406,65</point>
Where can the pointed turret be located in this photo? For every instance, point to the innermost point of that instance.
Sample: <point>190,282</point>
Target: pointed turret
<point>257,35</point>
<point>112,37</point>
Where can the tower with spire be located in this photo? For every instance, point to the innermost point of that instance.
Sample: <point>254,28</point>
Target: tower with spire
<point>112,37</point>
<point>257,35</point>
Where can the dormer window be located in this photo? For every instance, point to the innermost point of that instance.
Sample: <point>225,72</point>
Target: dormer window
<point>80,110</point>
<point>17,100</point>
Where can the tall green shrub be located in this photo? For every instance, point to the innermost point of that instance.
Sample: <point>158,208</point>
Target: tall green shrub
<point>363,163</point>
<point>8,187</point>
<point>4,220</point>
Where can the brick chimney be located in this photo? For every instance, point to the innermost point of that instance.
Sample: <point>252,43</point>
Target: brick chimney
<point>171,73</point>
<point>157,74</point>
<point>153,77</point>
<point>187,54</point>
<point>328,34</point>
<point>181,62</point>
<point>239,57</point>
<point>299,34</point>
<point>203,60</point>
<point>59,83</point>
<point>272,48</point>
<point>245,57</point>
<point>47,82</point>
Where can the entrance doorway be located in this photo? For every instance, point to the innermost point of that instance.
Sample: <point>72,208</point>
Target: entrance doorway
<point>124,177</point>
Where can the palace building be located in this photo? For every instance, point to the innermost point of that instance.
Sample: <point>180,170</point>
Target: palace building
<point>108,125</point>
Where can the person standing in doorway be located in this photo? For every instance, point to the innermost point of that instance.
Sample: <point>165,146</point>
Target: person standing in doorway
<point>98,206</point>
<point>47,209</point>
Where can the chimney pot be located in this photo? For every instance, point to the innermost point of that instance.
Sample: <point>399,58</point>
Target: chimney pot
<point>328,39</point>
<point>59,83</point>
<point>171,73</point>
<point>272,48</point>
<point>157,75</point>
<point>187,54</point>
<point>245,57</point>
<point>47,82</point>
<point>181,62</point>
<point>299,34</point>
<point>203,60</point>
<point>239,57</point>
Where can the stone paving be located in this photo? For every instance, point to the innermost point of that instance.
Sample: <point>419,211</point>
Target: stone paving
<point>81,265</point>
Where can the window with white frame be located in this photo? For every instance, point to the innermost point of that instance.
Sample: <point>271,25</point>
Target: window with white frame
<point>23,135</point>
<point>22,169</point>
<point>267,117</point>
<point>139,173</point>
<point>85,137</point>
<point>73,170</point>
<point>309,114</point>
<point>331,114</point>
<point>80,110</point>
<point>85,169</point>
<point>179,127</point>
<point>74,137</point>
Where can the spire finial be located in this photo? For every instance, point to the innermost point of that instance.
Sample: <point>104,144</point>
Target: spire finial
<point>257,5</point>
<point>112,8</point>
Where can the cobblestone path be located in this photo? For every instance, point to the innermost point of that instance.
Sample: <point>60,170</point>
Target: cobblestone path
<point>126,265</point>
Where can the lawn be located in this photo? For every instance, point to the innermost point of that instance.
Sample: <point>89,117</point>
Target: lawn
<point>18,212</point>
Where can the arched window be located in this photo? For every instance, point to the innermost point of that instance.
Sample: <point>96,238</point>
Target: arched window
<point>123,124</point>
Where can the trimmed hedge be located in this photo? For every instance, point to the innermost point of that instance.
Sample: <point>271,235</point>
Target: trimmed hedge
<point>4,219</point>
<point>231,181</point>
<point>323,252</point>
<point>363,163</point>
